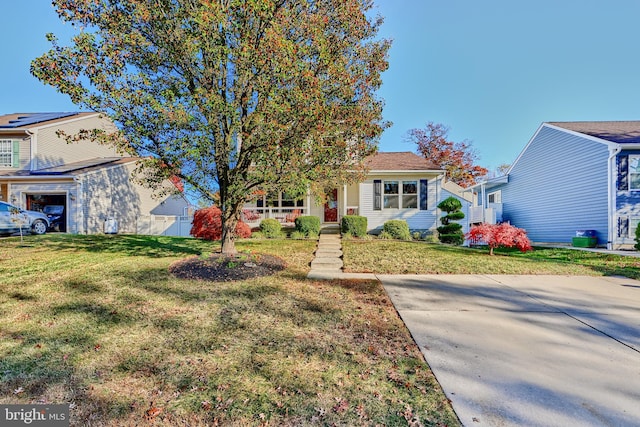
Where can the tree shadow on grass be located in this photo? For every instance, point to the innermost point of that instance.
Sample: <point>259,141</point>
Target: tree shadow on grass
<point>133,245</point>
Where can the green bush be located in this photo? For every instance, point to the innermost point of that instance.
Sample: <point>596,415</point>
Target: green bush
<point>308,225</point>
<point>354,225</point>
<point>451,232</point>
<point>450,204</point>
<point>637,245</point>
<point>298,235</point>
<point>271,228</point>
<point>397,229</point>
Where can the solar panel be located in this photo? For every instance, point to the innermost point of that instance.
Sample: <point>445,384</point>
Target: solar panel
<point>70,167</point>
<point>35,118</point>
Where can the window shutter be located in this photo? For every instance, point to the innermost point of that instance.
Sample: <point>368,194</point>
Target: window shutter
<point>623,173</point>
<point>623,226</point>
<point>377,195</point>
<point>423,194</point>
<point>16,154</point>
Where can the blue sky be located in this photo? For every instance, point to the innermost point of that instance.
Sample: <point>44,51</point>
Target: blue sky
<point>491,70</point>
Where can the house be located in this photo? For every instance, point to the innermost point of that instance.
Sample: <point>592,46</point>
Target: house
<point>89,182</point>
<point>571,176</point>
<point>399,185</point>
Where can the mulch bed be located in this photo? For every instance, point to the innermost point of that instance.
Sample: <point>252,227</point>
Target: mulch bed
<point>224,268</point>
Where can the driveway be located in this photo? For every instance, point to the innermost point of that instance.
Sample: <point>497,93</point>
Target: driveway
<point>528,350</point>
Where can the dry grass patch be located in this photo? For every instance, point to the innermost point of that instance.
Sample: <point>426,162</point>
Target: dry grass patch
<point>99,323</point>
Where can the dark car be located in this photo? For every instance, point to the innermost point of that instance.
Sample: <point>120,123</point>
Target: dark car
<point>12,219</point>
<point>55,213</point>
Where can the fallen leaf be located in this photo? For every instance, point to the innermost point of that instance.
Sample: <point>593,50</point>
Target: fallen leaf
<point>151,413</point>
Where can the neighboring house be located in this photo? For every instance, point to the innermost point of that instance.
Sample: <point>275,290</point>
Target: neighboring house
<point>399,185</point>
<point>92,182</point>
<point>571,176</point>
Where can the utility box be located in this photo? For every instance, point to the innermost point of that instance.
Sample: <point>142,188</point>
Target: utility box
<point>585,239</point>
<point>110,226</point>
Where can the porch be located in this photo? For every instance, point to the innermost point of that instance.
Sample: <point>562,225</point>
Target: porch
<point>252,216</point>
<point>492,214</point>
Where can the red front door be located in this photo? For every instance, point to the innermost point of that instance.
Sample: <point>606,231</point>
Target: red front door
<point>331,207</point>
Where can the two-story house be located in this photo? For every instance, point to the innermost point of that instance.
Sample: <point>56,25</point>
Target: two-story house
<point>571,176</point>
<point>89,182</point>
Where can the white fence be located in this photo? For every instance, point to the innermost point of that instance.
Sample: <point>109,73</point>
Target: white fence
<point>164,225</point>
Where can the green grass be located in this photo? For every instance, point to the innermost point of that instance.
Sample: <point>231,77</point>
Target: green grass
<point>397,257</point>
<point>97,322</point>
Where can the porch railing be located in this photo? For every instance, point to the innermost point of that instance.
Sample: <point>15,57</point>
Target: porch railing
<point>288,215</point>
<point>492,214</point>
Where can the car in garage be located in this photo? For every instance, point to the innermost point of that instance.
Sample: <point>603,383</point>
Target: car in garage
<point>55,213</point>
<point>12,219</point>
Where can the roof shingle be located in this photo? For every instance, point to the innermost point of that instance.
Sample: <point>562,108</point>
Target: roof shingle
<point>398,161</point>
<point>621,132</point>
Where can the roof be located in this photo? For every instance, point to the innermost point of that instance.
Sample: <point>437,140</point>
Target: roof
<point>621,132</point>
<point>400,161</point>
<point>22,121</point>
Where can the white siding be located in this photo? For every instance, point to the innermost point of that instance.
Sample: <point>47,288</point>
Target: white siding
<point>51,150</point>
<point>416,218</point>
<point>110,192</point>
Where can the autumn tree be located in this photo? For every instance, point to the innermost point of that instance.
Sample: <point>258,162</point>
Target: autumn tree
<point>457,158</point>
<point>231,96</point>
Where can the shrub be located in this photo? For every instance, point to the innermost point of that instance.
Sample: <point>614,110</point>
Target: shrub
<point>354,225</point>
<point>451,232</point>
<point>637,245</point>
<point>207,225</point>
<point>500,235</point>
<point>271,228</point>
<point>397,229</point>
<point>298,235</point>
<point>308,225</point>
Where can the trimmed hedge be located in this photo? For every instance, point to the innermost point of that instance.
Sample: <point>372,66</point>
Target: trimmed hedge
<point>354,225</point>
<point>397,229</point>
<point>308,225</point>
<point>271,228</point>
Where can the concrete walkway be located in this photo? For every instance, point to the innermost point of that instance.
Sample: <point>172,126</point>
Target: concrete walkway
<point>327,264</point>
<point>528,350</point>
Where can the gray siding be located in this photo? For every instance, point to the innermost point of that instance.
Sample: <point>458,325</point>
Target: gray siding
<point>558,186</point>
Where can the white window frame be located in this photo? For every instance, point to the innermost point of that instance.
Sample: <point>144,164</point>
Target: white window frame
<point>6,149</point>
<point>399,197</point>
<point>634,170</point>
<point>497,197</point>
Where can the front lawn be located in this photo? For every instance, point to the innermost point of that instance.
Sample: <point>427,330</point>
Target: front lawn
<point>97,322</point>
<point>398,257</point>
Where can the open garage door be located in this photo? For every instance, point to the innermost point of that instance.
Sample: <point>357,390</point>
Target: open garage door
<point>52,205</point>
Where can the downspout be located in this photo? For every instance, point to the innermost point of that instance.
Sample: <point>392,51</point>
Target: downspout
<point>79,207</point>
<point>611,195</point>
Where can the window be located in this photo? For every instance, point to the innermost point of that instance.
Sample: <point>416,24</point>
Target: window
<point>409,194</point>
<point>391,194</point>
<point>495,197</point>
<point>398,194</point>
<point>7,153</point>
<point>634,172</point>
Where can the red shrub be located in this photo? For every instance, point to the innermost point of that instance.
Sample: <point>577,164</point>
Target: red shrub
<point>207,224</point>
<point>499,235</point>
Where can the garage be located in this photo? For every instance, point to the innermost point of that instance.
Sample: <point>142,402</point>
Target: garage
<point>52,205</point>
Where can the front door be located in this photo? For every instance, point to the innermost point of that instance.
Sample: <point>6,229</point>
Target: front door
<point>331,207</point>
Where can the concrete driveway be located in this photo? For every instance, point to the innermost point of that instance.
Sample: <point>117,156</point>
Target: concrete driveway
<point>528,350</point>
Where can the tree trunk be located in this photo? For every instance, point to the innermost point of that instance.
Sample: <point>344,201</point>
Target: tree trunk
<point>229,223</point>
